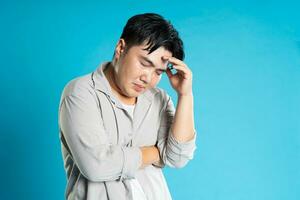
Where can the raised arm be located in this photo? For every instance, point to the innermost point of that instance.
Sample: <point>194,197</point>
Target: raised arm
<point>177,135</point>
<point>174,152</point>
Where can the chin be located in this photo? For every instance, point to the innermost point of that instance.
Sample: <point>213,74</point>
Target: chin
<point>135,93</point>
<point>131,93</point>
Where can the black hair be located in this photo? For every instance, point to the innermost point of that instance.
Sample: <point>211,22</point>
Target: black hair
<point>156,31</point>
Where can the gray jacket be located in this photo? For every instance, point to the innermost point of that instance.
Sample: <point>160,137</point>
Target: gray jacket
<point>100,141</point>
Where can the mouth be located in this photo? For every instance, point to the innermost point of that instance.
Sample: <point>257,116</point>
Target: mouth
<point>138,87</point>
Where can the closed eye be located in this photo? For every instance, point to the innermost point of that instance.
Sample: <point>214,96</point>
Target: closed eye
<point>145,65</point>
<point>159,72</point>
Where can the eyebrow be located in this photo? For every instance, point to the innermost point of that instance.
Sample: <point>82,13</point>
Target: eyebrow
<point>149,61</point>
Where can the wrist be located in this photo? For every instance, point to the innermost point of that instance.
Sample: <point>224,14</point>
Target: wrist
<point>188,94</point>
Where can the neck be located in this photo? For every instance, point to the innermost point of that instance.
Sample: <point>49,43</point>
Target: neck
<point>110,75</point>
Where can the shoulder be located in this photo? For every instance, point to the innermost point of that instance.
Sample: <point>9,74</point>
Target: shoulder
<point>81,86</point>
<point>159,96</point>
<point>78,85</point>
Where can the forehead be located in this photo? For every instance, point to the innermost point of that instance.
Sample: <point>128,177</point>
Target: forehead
<point>157,53</point>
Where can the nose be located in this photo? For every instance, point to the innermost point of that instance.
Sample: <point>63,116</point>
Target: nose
<point>146,76</point>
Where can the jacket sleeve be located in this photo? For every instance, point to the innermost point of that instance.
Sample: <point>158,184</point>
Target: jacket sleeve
<point>98,160</point>
<point>172,152</point>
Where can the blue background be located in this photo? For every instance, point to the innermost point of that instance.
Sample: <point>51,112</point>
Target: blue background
<point>245,58</point>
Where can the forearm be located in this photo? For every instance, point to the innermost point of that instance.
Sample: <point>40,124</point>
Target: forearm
<point>150,155</point>
<point>183,124</point>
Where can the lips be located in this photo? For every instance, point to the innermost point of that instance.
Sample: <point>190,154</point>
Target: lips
<point>138,87</point>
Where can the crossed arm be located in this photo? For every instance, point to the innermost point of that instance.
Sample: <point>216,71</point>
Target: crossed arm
<point>100,161</point>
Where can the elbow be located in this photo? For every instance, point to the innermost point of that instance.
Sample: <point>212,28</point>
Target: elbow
<point>95,173</point>
<point>91,175</point>
<point>182,162</point>
<point>96,177</point>
<point>177,159</point>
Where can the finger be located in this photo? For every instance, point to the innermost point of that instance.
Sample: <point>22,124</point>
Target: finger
<point>166,57</point>
<point>177,64</point>
<point>180,69</point>
<point>176,61</point>
<point>169,73</point>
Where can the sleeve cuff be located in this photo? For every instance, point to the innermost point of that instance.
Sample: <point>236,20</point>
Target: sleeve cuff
<point>132,161</point>
<point>185,149</point>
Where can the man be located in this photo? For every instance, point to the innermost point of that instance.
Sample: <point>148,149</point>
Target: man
<point>117,128</point>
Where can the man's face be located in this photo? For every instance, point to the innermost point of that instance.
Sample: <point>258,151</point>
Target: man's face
<point>137,68</point>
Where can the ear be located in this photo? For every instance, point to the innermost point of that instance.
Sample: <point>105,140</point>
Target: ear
<point>120,48</point>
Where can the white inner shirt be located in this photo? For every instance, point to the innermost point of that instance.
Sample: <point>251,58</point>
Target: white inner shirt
<point>154,174</point>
